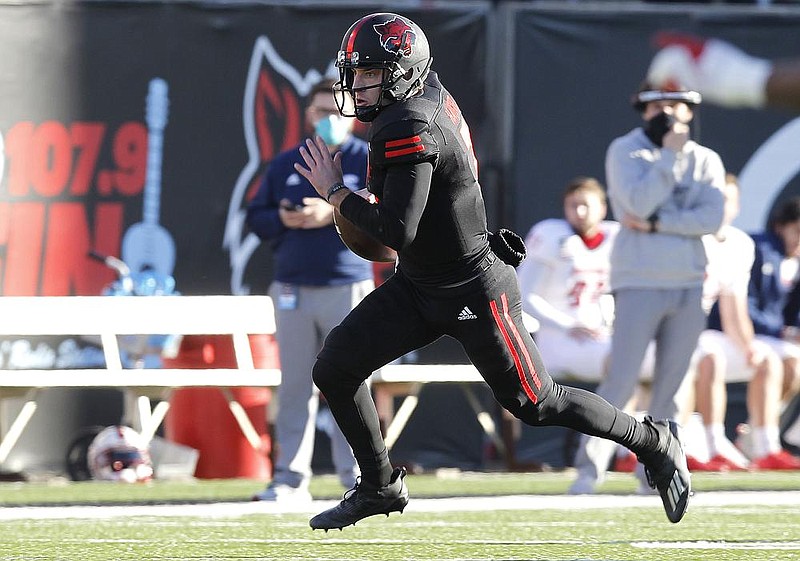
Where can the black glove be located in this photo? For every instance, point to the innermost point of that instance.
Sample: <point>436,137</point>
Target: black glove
<point>658,126</point>
<point>508,246</point>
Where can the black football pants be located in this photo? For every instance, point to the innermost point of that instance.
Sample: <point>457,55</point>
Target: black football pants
<point>485,316</point>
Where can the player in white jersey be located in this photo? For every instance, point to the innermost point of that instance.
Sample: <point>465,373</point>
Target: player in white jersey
<point>736,354</point>
<point>564,283</point>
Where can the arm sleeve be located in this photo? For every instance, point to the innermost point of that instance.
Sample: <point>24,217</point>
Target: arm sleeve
<point>763,323</point>
<point>791,311</point>
<point>262,211</point>
<point>703,217</point>
<point>546,313</point>
<point>402,142</point>
<point>534,274</point>
<point>738,266</point>
<point>638,187</point>
<point>395,218</point>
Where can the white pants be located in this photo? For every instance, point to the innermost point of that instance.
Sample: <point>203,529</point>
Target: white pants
<point>567,358</point>
<point>716,342</point>
<point>674,319</point>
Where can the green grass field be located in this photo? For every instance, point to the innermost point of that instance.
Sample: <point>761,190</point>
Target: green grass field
<point>551,530</point>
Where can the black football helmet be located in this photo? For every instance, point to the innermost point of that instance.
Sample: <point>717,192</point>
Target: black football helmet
<point>389,42</point>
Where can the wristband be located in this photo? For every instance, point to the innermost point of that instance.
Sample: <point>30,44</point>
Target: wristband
<point>653,220</point>
<point>335,188</point>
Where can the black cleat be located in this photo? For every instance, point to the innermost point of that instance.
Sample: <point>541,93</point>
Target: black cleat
<point>362,501</point>
<point>666,469</point>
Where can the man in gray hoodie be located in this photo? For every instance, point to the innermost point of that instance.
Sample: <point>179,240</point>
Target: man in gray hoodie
<point>666,190</point>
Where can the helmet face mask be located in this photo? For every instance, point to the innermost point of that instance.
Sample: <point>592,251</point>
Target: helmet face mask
<point>385,41</point>
<point>344,94</point>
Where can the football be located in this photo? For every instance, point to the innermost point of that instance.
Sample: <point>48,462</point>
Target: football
<point>360,242</point>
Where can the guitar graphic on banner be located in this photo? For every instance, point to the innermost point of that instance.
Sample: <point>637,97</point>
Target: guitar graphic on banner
<point>146,245</point>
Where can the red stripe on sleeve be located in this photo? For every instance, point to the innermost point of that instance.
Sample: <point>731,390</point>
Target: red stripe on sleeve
<point>403,141</point>
<point>404,151</point>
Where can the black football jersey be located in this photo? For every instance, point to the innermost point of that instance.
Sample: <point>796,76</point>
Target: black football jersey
<point>437,226</point>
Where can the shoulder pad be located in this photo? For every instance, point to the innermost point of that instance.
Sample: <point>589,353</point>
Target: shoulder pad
<point>611,227</point>
<point>403,142</point>
<point>545,238</point>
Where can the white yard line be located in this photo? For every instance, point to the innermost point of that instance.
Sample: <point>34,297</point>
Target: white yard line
<point>782,546</point>
<point>463,504</point>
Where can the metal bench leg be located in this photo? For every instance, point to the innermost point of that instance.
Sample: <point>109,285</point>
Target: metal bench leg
<point>154,418</point>
<point>484,418</point>
<point>249,431</point>
<point>19,424</point>
<point>400,418</point>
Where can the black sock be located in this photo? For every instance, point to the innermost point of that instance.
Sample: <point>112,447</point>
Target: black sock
<point>590,414</point>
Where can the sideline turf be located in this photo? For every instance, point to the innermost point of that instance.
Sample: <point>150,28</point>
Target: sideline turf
<point>737,533</point>
<point>446,483</point>
<point>629,534</point>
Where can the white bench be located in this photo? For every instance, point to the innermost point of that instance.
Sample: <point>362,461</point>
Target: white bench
<point>409,379</point>
<point>109,317</point>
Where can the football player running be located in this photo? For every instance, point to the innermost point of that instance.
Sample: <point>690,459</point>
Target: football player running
<point>452,276</point>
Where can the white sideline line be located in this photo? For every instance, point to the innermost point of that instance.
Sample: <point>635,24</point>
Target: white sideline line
<point>463,504</point>
<point>726,545</point>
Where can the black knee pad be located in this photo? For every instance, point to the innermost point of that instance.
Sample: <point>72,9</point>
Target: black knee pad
<point>333,380</point>
<point>325,375</point>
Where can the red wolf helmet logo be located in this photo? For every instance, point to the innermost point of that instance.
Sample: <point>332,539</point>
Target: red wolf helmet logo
<point>273,122</point>
<point>396,36</point>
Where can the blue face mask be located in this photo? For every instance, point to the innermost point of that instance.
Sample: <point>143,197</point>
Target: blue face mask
<point>333,129</point>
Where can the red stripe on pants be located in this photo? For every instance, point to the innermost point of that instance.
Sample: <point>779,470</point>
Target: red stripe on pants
<point>534,374</point>
<point>498,318</point>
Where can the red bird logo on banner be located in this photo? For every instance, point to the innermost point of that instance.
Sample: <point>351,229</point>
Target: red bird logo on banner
<point>273,122</point>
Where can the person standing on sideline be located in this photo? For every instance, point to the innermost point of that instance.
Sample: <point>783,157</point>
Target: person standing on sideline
<point>565,285</point>
<point>317,281</point>
<point>666,190</point>
<point>452,277</point>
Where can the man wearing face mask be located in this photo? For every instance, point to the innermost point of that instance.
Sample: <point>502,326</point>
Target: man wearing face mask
<point>667,192</point>
<point>317,281</point>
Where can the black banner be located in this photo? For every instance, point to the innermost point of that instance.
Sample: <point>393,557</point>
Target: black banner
<point>80,166</point>
<point>576,70</point>
<point>140,130</point>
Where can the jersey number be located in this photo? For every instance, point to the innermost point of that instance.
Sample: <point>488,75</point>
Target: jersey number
<point>452,110</point>
<point>463,130</point>
<point>585,292</point>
